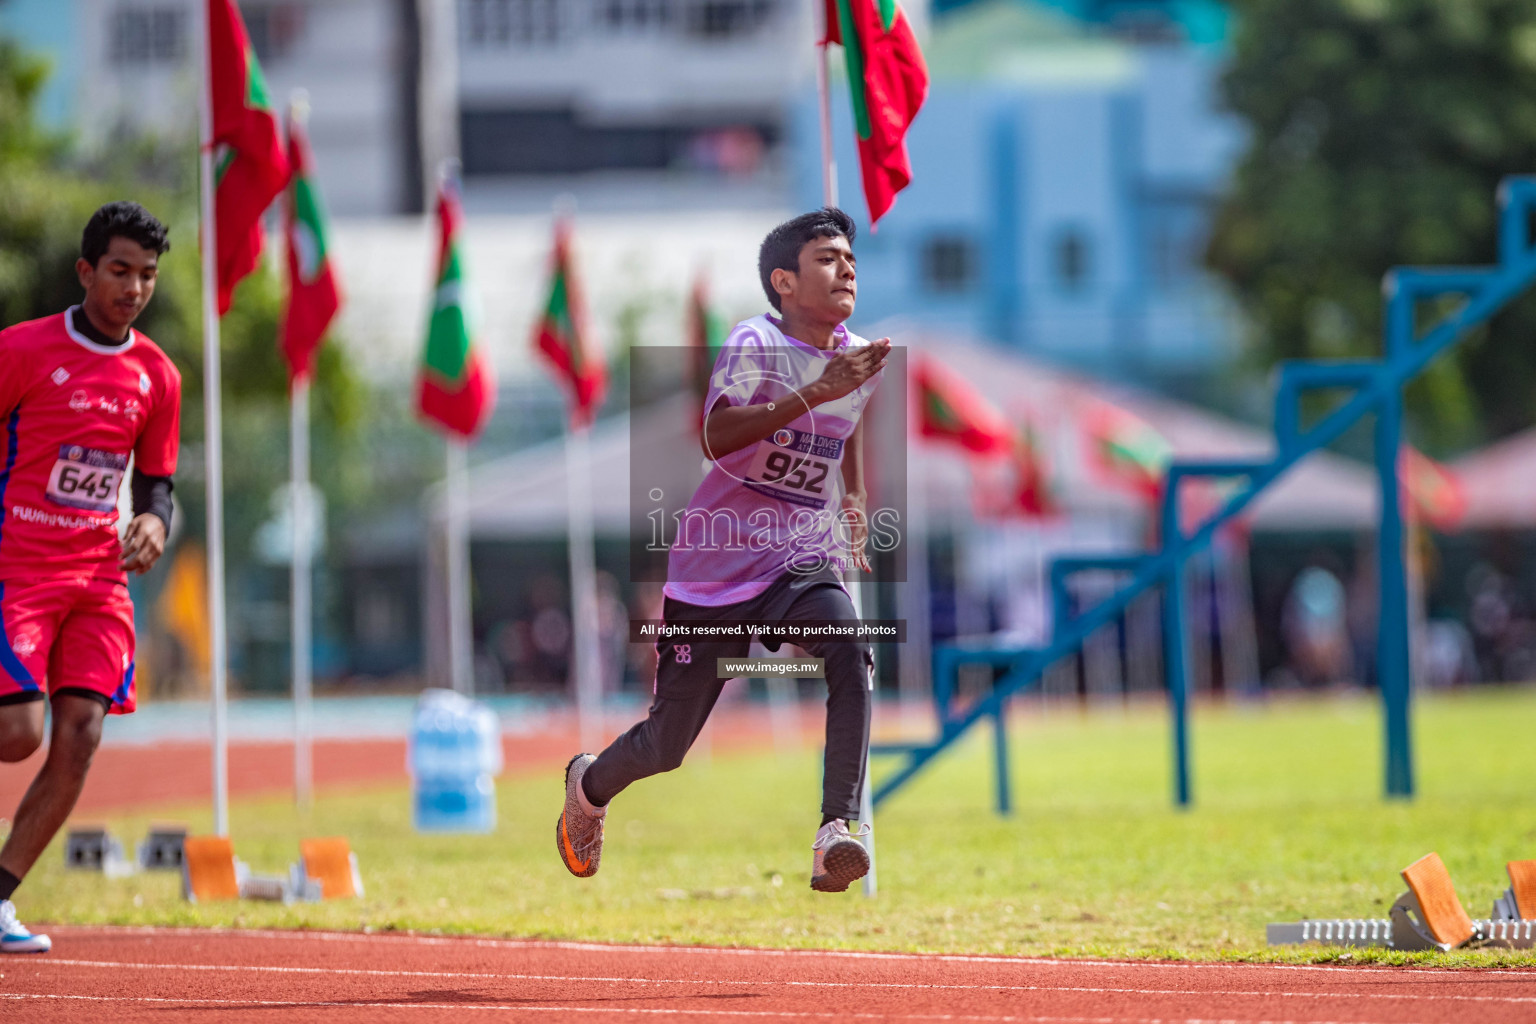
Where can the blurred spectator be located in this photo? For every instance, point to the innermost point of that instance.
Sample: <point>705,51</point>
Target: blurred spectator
<point>1313,624</point>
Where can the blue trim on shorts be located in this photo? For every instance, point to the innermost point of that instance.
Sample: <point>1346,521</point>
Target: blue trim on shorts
<point>121,696</point>
<point>8,660</point>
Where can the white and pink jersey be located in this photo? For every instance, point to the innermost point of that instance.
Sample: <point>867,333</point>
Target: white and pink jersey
<point>71,413</point>
<point>771,506</point>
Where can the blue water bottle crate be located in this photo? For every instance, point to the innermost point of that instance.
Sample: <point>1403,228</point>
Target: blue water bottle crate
<point>454,757</point>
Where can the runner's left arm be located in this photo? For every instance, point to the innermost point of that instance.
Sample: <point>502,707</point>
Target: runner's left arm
<point>854,513</point>
<point>154,462</point>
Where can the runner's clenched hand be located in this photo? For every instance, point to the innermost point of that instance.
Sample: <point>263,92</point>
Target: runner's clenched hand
<point>847,370</point>
<point>143,543</point>
<point>856,523</point>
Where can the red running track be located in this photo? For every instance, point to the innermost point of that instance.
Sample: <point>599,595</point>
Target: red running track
<point>133,974</point>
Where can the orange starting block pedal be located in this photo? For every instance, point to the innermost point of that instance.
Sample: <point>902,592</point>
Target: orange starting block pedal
<point>208,869</point>
<point>1519,900</point>
<point>1430,907</point>
<point>331,863</point>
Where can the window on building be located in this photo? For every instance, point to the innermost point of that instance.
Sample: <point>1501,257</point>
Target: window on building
<point>728,19</point>
<point>949,263</point>
<point>148,35</point>
<point>1072,259</point>
<point>636,16</point>
<point>1176,231</point>
<point>274,28</point>
<point>499,24</point>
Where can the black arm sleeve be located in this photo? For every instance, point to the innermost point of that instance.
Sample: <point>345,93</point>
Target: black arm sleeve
<point>152,494</point>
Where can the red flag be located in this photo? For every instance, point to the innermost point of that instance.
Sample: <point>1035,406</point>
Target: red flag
<point>950,409</point>
<point>313,293</point>
<point>455,387</point>
<point>1032,487</point>
<point>250,167</point>
<point>888,81</point>
<point>1432,491</point>
<point>1126,449</point>
<point>562,334</point>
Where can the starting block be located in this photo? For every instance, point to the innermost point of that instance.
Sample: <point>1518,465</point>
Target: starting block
<point>1519,900</point>
<point>208,869</point>
<point>332,865</point>
<point>211,871</point>
<point>93,848</point>
<point>162,849</point>
<point>1428,916</point>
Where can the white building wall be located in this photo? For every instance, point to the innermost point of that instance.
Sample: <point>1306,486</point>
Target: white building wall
<point>346,53</point>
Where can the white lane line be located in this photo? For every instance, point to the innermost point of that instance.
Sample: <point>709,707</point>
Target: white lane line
<point>597,979</point>
<point>847,954</point>
<point>646,1011</point>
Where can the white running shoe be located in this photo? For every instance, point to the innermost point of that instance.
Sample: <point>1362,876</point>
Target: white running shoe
<point>837,856</point>
<point>579,832</point>
<point>14,938</point>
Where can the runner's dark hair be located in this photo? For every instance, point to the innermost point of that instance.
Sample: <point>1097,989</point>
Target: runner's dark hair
<point>781,249</point>
<point>121,219</point>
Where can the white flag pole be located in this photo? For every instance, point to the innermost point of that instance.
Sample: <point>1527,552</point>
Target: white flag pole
<point>213,441</point>
<point>586,666</point>
<point>824,96</point>
<point>856,590</point>
<point>302,603</point>
<point>460,637</point>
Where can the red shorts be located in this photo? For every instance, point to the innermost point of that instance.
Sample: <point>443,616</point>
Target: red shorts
<point>66,633</point>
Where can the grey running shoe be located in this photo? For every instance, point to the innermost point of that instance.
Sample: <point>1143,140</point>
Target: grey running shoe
<point>579,832</point>
<point>838,857</point>
<point>14,938</point>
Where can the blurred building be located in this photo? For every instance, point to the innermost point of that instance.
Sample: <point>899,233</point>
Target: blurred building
<point>1066,181</point>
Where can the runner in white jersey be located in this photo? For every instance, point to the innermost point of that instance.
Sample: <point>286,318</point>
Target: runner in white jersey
<point>779,515</point>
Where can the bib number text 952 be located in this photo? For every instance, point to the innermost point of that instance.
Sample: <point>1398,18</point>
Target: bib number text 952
<point>801,473</point>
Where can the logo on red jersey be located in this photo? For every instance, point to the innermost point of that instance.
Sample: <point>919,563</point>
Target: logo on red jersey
<point>143,383</point>
<point>79,401</point>
<point>60,375</point>
<point>24,645</point>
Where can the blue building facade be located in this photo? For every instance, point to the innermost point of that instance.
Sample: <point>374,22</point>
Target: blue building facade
<point>1064,188</point>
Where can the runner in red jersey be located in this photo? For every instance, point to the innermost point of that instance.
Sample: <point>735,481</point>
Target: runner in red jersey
<point>81,393</point>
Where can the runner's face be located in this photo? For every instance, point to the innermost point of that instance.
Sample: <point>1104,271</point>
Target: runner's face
<point>825,286</point>
<point>119,286</point>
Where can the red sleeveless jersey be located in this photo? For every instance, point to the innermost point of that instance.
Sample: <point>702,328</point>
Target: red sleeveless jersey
<point>71,413</point>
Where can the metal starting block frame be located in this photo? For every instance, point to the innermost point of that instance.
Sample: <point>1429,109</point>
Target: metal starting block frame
<point>93,848</point>
<point>1446,926</point>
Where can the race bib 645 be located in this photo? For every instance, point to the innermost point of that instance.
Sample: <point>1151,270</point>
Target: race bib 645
<point>86,478</point>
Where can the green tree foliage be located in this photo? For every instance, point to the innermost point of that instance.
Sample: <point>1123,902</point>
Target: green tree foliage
<point>1379,132</point>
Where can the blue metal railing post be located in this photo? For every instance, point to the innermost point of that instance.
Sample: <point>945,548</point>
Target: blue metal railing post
<point>1176,638</point>
<point>1393,667</point>
<point>1000,752</point>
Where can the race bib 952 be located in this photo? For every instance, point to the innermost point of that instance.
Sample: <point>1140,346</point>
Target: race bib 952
<point>796,466</point>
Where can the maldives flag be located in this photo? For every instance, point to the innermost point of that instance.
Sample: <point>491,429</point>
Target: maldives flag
<point>706,335</point>
<point>455,386</point>
<point>1432,491</point>
<point>1032,472</point>
<point>949,409</point>
<point>888,82</point>
<point>250,167</point>
<point>1126,449</point>
<point>313,293</point>
<point>562,335</point>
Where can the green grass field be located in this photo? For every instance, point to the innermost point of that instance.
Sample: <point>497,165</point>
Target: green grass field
<point>1288,823</point>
